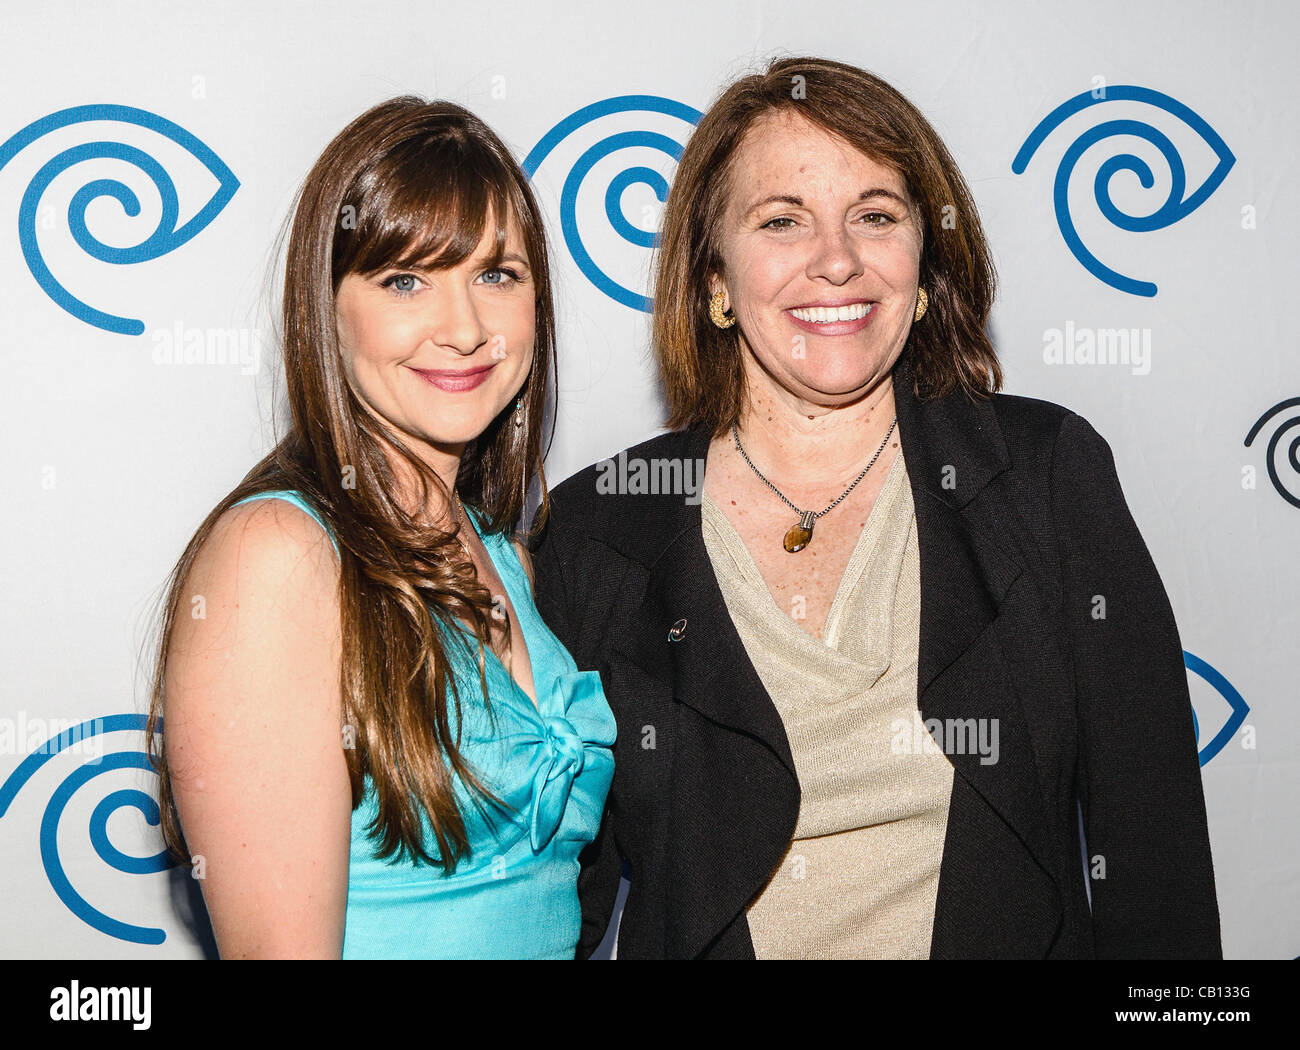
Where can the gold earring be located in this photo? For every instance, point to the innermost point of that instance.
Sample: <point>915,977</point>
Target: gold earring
<point>716,315</point>
<point>922,301</point>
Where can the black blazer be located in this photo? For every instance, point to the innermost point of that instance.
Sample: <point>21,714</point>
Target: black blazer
<point>1023,532</point>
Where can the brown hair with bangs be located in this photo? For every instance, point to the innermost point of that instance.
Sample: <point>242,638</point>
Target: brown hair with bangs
<point>699,363</point>
<point>407,182</point>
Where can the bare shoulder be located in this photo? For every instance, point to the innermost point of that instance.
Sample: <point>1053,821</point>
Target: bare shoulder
<point>260,560</point>
<point>273,532</point>
<point>254,732</point>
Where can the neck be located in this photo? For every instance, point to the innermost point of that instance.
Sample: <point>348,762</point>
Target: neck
<point>444,461</point>
<point>802,443</point>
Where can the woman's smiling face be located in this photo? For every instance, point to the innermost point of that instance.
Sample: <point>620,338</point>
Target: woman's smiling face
<point>437,354</point>
<point>821,258</point>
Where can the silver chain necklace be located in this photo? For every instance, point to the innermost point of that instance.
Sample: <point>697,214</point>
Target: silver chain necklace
<point>800,534</point>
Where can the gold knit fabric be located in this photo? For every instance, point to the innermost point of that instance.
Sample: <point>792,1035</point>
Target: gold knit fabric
<point>861,876</point>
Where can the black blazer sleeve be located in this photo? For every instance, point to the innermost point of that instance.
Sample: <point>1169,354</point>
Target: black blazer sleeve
<point>1139,778</point>
<point>602,866</point>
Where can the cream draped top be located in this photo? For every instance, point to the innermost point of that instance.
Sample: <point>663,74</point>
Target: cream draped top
<point>860,878</point>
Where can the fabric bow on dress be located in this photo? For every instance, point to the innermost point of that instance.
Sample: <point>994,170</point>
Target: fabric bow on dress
<point>575,730</point>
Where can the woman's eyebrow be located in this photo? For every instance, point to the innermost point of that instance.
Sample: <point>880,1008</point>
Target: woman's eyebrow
<point>880,191</point>
<point>492,259</point>
<point>775,198</point>
<point>797,202</point>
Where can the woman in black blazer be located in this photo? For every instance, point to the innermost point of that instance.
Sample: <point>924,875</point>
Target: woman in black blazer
<point>822,290</point>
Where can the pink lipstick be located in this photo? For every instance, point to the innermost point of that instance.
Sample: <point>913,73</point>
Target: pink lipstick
<point>454,380</point>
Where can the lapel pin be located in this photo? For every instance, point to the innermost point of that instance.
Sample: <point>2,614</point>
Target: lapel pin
<point>677,630</point>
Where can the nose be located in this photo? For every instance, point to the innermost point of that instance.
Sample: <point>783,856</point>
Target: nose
<point>454,322</point>
<point>835,257</point>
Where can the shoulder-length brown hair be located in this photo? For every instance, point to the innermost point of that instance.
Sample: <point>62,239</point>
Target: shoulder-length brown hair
<point>699,363</point>
<point>408,182</point>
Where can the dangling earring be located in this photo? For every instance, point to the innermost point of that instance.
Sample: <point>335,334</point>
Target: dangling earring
<point>722,320</point>
<point>922,301</point>
<point>520,452</point>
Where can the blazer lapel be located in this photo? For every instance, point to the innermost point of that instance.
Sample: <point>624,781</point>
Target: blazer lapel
<point>681,632</point>
<point>968,563</point>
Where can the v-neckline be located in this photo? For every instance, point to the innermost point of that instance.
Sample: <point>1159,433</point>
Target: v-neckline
<point>535,704</point>
<point>750,570</point>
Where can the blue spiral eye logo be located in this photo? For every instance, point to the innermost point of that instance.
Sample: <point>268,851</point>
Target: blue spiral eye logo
<point>1175,206</point>
<point>1292,451</point>
<point>1236,712</point>
<point>165,237</point>
<point>107,806</point>
<point>635,174</point>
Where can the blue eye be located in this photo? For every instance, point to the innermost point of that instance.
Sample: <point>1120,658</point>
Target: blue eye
<point>402,284</point>
<point>505,277</point>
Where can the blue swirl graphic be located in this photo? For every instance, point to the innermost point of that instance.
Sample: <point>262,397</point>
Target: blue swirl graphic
<point>1174,208</point>
<point>165,238</point>
<point>618,185</point>
<point>1236,703</point>
<point>109,805</point>
<point>1292,452</point>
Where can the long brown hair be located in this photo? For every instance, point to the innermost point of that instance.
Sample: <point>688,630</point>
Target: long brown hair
<point>408,182</point>
<point>699,363</point>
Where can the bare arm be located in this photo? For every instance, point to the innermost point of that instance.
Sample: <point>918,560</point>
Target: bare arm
<point>254,737</point>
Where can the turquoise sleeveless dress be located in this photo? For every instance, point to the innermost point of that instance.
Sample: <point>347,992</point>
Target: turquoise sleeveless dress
<point>515,896</point>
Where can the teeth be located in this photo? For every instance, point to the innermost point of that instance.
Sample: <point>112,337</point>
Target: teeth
<point>827,314</point>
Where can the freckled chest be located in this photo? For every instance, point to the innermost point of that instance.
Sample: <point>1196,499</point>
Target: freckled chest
<point>803,585</point>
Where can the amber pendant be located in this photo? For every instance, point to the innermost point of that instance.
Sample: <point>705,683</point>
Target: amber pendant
<point>800,534</point>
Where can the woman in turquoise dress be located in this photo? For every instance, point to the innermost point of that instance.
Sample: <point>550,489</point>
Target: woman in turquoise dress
<point>369,744</point>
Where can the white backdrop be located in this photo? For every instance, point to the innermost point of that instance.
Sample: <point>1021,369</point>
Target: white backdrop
<point>119,442</point>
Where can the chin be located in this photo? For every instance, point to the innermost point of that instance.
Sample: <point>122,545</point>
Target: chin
<point>458,435</point>
<point>447,427</point>
<point>837,387</point>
